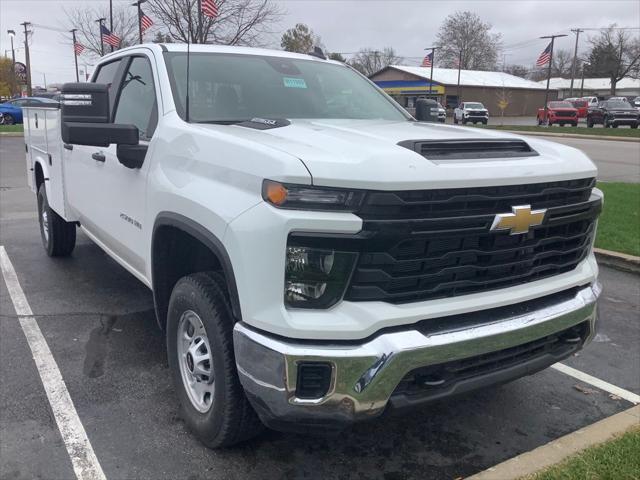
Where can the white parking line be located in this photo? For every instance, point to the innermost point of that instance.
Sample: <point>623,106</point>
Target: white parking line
<point>84,461</point>
<point>596,382</point>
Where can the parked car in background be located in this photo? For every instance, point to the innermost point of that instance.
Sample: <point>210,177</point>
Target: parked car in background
<point>12,110</point>
<point>442,113</point>
<point>591,101</point>
<point>581,105</point>
<point>612,113</point>
<point>560,112</point>
<point>474,112</point>
<point>636,102</point>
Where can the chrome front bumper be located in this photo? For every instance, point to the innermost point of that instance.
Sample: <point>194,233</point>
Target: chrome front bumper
<point>365,375</point>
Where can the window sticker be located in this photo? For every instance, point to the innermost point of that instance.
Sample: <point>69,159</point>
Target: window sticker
<point>290,82</point>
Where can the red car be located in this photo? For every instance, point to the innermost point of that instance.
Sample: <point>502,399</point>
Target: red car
<point>559,112</point>
<point>582,106</point>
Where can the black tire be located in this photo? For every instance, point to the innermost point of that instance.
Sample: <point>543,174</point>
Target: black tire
<point>562,124</point>
<point>8,119</point>
<point>540,122</point>
<point>455,120</point>
<point>605,122</point>
<point>484,122</point>
<point>634,125</point>
<point>58,236</point>
<point>614,125</point>
<point>589,123</point>
<point>464,121</point>
<point>230,418</point>
<point>550,123</point>
<point>574,124</point>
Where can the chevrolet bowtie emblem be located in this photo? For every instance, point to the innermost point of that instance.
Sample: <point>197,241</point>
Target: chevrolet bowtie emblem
<point>520,220</point>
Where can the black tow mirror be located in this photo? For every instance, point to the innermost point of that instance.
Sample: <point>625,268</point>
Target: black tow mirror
<point>426,110</point>
<point>86,118</point>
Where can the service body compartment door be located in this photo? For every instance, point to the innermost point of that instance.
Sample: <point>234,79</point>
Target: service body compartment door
<point>55,185</point>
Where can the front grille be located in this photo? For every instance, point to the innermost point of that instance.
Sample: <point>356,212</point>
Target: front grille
<point>566,113</point>
<point>477,114</point>
<point>429,380</point>
<point>429,244</point>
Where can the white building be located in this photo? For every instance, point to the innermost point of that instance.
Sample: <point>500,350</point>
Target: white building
<point>597,87</point>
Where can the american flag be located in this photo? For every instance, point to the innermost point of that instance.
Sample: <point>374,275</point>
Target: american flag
<point>210,8</point>
<point>78,48</point>
<point>145,21</point>
<point>108,37</point>
<point>427,61</point>
<point>544,57</point>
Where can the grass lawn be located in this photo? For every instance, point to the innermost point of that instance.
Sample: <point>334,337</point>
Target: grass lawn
<point>11,128</point>
<point>617,459</point>
<point>597,130</point>
<point>619,224</point>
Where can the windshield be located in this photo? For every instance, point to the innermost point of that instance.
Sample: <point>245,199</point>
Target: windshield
<point>228,88</point>
<point>560,105</point>
<point>473,105</point>
<point>618,104</point>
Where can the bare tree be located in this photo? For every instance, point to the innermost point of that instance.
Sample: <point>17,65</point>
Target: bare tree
<point>125,26</point>
<point>368,61</point>
<point>517,70</point>
<point>466,32</point>
<point>300,39</point>
<point>239,22</point>
<point>561,66</point>
<point>615,54</point>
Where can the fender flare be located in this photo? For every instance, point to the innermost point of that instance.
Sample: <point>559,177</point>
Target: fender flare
<point>206,237</point>
<point>45,173</point>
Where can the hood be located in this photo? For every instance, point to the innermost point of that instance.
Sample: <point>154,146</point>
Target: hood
<point>365,154</point>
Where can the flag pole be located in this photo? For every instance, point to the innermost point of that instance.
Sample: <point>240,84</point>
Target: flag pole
<point>75,54</point>
<point>459,68</point>
<point>99,22</point>
<point>546,92</point>
<point>111,18</point>
<point>200,21</point>
<point>433,60</point>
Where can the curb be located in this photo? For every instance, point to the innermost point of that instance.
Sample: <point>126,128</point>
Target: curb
<point>574,135</point>
<point>619,261</point>
<point>557,450</point>
<point>11,134</point>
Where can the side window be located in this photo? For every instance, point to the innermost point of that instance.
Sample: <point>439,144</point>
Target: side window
<point>107,73</point>
<point>137,103</point>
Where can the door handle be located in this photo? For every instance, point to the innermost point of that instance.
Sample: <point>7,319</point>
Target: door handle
<point>98,156</point>
<point>68,146</point>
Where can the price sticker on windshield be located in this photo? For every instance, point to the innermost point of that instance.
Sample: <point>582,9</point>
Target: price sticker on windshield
<point>291,82</point>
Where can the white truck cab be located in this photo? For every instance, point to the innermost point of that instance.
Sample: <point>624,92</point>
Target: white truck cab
<point>316,255</point>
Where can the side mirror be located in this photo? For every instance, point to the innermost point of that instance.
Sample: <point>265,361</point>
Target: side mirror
<point>426,110</point>
<point>86,117</point>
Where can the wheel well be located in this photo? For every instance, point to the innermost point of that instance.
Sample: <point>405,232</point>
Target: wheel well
<point>39,176</point>
<point>175,254</point>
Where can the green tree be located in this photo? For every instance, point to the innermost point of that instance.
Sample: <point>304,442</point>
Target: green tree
<point>300,39</point>
<point>614,54</point>
<point>7,77</point>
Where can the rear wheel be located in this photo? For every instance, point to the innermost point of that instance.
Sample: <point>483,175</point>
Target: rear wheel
<point>58,236</point>
<point>8,119</point>
<point>464,121</point>
<point>589,123</point>
<point>202,362</point>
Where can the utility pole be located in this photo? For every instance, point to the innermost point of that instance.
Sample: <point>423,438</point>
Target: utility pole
<point>577,31</point>
<point>433,60</point>
<point>200,21</point>
<point>12,33</point>
<point>110,20</point>
<point>99,22</point>
<point>75,54</point>
<point>584,64</point>
<point>546,92</point>
<point>27,58</point>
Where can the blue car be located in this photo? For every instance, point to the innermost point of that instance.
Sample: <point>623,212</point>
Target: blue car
<point>11,111</point>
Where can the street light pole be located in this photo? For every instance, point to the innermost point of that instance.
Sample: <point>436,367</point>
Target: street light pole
<point>27,57</point>
<point>12,33</point>
<point>546,92</point>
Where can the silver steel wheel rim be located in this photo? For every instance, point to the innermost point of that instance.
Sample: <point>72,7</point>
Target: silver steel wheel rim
<point>195,361</point>
<point>45,224</point>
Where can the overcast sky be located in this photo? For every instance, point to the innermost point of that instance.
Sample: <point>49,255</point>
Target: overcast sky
<point>348,25</point>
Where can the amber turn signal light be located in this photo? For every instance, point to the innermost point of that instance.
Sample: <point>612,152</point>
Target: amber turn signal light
<point>274,192</point>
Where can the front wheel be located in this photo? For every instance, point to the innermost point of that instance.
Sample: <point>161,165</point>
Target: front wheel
<point>58,236</point>
<point>8,119</point>
<point>202,362</point>
<point>574,124</point>
<point>484,122</point>
<point>634,125</point>
<point>464,121</point>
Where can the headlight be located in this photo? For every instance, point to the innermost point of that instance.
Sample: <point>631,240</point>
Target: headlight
<point>316,277</point>
<point>307,197</point>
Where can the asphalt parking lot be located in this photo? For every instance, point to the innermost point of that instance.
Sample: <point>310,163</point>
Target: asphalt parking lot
<point>99,325</point>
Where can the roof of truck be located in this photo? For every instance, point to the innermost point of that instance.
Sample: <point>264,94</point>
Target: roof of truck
<point>199,48</point>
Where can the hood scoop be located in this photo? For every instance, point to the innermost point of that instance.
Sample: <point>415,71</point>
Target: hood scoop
<point>469,149</point>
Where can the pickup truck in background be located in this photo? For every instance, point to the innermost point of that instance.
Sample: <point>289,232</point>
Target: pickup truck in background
<point>560,112</point>
<point>613,113</point>
<point>471,112</point>
<point>316,255</point>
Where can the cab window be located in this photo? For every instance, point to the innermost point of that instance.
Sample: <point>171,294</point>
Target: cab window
<point>137,100</point>
<point>107,73</point>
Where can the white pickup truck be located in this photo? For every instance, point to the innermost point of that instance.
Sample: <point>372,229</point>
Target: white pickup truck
<point>316,255</point>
